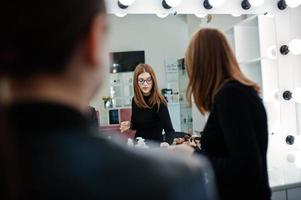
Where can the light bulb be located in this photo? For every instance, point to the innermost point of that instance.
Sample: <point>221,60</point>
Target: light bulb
<point>216,3</point>
<point>298,159</point>
<point>291,158</point>
<point>272,95</point>
<point>272,52</point>
<point>295,46</point>
<point>236,14</point>
<point>256,3</point>
<point>126,2</point>
<point>293,3</point>
<point>120,14</point>
<point>295,158</point>
<point>297,95</point>
<point>173,3</point>
<point>162,15</point>
<point>200,15</point>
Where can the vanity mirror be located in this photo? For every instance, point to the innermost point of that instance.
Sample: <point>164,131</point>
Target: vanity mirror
<point>257,36</point>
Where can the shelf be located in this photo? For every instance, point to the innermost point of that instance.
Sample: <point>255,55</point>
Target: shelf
<point>119,107</point>
<point>248,22</point>
<point>251,61</point>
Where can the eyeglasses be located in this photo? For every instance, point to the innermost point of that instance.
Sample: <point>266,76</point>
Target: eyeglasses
<point>141,81</point>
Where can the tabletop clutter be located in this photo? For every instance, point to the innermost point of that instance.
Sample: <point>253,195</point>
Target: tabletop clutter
<point>191,140</point>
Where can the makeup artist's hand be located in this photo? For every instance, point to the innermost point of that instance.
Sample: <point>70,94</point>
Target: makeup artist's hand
<point>125,126</point>
<point>182,148</point>
<point>164,145</point>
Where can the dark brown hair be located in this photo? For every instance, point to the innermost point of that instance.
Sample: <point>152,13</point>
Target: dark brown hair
<point>155,97</point>
<point>41,36</point>
<point>210,63</point>
<point>37,36</point>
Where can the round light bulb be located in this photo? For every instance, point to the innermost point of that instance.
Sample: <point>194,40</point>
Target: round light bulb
<point>236,14</point>
<point>126,2</point>
<point>256,3</point>
<point>297,155</point>
<point>216,3</point>
<point>297,95</point>
<point>293,3</point>
<point>272,95</point>
<point>200,15</point>
<point>272,52</point>
<point>295,46</point>
<point>173,3</point>
<point>295,158</point>
<point>162,15</point>
<point>291,158</point>
<point>120,14</point>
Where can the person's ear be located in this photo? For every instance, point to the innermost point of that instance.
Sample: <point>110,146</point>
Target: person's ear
<point>95,40</point>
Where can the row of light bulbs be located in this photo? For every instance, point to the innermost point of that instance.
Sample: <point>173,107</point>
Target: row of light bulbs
<point>199,15</point>
<point>209,4</point>
<point>294,47</point>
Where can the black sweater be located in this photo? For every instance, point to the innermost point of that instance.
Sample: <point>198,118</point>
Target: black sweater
<point>150,122</point>
<point>235,140</point>
<point>62,157</point>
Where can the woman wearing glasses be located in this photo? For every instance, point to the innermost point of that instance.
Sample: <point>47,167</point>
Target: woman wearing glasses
<point>149,109</point>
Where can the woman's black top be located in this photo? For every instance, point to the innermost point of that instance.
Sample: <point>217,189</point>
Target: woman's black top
<point>235,140</point>
<point>150,122</point>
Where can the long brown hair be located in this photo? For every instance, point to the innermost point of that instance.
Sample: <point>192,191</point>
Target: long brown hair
<point>210,63</point>
<point>155,97</point>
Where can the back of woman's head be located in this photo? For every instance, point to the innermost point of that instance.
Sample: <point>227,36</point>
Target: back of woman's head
<point>155,97</point>
<point>37,36</point>
<point>210,62</point>
<point>40,36</point>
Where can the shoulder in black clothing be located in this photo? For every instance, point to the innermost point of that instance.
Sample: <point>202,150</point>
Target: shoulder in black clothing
<point>235,140</point>
<point>234,89</point>
<point>63,158</point>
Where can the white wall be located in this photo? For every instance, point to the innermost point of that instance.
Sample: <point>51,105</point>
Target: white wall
<point>161,39</point>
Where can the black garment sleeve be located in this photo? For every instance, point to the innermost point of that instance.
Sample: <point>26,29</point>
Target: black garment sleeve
<point>166,123</point>
<point>133,123</point>
<point>93,117</point>
<point>243,163</point>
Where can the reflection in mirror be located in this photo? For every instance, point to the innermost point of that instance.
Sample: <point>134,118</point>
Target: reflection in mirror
<point>162,43</point>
